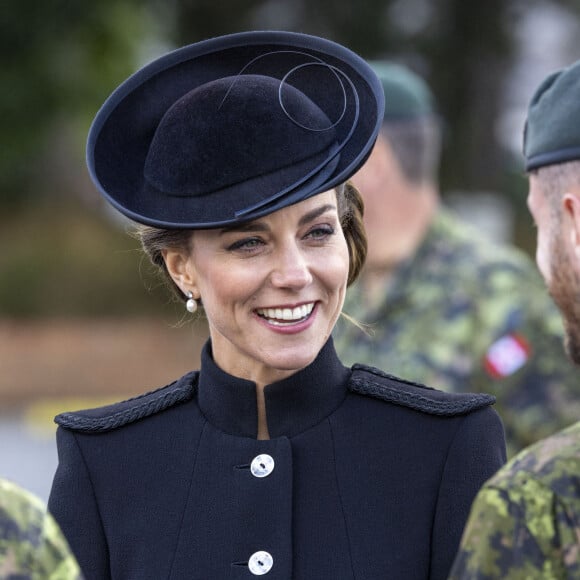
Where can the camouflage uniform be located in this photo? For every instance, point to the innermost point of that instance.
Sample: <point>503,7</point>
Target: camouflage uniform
<point>467,315</point>
<point>525,521</point>
<point>31,544</point>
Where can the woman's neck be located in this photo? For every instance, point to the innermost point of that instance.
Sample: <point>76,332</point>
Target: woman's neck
<point>263,433</point>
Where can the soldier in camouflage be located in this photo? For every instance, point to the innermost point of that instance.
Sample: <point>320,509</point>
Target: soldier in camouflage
<point>525,521</point>
<point>31,544</point>
<point>442,304</point>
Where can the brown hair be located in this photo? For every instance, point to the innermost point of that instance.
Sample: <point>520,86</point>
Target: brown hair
<point>350,210</point>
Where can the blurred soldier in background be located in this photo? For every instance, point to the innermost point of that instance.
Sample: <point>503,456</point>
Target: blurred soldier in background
<point>31,544</point>
<point>525,522</point>
<point>445,306</point>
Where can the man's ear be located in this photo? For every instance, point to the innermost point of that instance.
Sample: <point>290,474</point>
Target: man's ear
<point>571,210</point>
<point>181,269</point>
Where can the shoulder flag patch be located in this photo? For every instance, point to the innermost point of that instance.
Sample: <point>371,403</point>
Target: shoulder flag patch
<point>506,355</point>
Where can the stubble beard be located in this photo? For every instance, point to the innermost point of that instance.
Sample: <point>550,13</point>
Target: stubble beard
<point>565,290</point>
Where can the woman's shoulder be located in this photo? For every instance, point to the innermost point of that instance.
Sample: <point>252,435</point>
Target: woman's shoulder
<point>369,381</point>
<point>111,417</point>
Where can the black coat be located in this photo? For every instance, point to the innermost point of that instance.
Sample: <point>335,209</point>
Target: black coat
<point>373,477</point>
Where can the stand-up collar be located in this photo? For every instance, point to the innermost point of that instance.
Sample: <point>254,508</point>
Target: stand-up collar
<point>292,405</point>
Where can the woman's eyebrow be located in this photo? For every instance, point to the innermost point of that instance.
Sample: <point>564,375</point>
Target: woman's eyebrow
<point>258,226</point>
<point>247,227</point>
<point>312,215</point>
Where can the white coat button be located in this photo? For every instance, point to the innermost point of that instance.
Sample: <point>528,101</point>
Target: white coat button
<point>260,563</point>
<point>262,465</point>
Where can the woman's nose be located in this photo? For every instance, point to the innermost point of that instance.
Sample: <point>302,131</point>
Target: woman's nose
<point>291,269</point>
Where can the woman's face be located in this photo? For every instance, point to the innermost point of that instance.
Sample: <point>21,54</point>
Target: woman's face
<point>272,289</point>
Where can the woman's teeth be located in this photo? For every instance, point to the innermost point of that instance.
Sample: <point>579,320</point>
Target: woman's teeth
<point>285,315</point>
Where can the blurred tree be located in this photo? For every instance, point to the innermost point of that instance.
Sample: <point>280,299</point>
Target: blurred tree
<point>470,49</point>
<point>465,50</point>
<point>63,58</point>
<point>199,19</point>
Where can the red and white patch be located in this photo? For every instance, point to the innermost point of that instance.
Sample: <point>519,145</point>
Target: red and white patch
<point>506,355</point>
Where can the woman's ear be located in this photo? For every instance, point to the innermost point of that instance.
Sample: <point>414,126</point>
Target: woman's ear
<point>571,209</point>
<point>181,269</point>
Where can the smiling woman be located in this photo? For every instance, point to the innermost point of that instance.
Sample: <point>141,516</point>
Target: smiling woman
<point>272,288</point>
<point>234,156</point>
<point>252,278</point>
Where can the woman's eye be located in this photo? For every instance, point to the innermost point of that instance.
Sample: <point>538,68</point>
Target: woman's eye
<point>320,232</point>
<point>247,244</point>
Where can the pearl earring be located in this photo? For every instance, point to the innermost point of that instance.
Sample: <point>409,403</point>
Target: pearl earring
<point>191,303</point>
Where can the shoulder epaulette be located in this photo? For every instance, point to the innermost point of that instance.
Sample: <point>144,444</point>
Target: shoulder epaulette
<point>370,381</point>
<point>113,416</point>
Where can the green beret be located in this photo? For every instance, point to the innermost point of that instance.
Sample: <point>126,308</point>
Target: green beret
<point>552,129</point>
<point>407,96</point>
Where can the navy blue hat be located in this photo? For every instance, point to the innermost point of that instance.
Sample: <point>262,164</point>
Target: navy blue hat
<point>233,128</point>
<point>552,129</point>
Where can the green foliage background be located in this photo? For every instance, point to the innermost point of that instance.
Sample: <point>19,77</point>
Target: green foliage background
<point>62,254</point>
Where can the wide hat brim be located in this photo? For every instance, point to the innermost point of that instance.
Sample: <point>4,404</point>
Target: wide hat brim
<point>120,139</point>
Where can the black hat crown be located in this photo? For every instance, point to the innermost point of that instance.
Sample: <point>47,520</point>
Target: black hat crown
<point>229,129</point>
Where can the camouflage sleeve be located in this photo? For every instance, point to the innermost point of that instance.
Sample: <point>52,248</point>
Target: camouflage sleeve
<point>31,544</point>
<point>518,529</point>
<point>540,394</point>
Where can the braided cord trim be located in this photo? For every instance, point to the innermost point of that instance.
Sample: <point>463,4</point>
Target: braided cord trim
<point>150,403</point>
<point>465,404</point>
